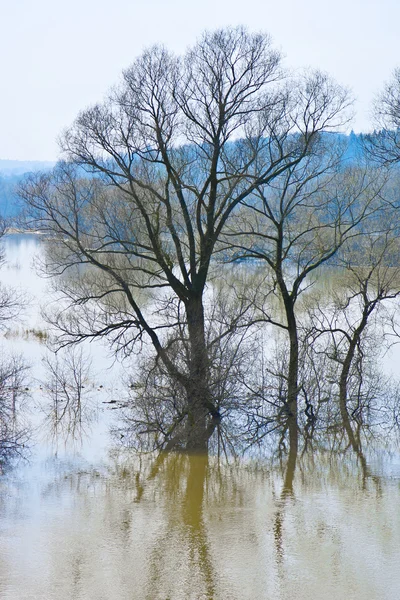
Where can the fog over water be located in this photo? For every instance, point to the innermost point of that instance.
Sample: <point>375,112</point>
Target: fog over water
<point>90,520</point>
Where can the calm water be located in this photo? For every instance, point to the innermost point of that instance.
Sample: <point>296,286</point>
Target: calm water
<point>91,522</point>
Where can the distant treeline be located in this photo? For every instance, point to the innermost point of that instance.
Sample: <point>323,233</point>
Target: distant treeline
<point>11,173</point>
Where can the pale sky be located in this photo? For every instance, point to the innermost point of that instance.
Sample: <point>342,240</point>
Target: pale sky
<point>59,57</point>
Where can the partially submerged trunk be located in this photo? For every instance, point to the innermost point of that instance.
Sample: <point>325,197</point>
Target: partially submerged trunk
<point>198,393</point>
<point>343,382</point>
<point>203,415</point>
<point>293,369</point>
<point>345,373</point>
<point>292,387</point>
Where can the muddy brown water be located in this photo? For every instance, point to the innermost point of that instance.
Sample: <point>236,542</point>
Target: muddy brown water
<point>188,527</point>
<point>92,522</point>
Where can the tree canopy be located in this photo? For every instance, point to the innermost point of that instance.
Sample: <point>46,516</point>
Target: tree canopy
<point>187,159</point>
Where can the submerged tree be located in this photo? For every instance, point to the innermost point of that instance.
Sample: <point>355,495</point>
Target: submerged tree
<point>355,320</point>
<point>294,226</point>
<point>70,407</point>
<point>13,430</point>
<point>154,174</point>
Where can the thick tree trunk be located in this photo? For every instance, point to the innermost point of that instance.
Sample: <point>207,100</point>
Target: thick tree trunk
<point>200,405</point>
<point>292,374</point>
<point>292,389</point>
<point>289,300</point>
<point>290,470</point>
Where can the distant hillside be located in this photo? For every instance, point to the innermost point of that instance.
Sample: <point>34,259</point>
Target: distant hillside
<point>19,167</point>
<point>11,173</point>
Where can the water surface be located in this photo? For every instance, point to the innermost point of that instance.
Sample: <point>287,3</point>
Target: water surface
<point>88,520</point>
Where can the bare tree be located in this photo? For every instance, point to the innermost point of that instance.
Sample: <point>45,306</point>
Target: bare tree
<point>69,408</point>
<point>294,226</point>
<point>14,432</point>
<point>355,321</point>
<point>11,301</point>
<point>384,143</point>
<point>155,173</point>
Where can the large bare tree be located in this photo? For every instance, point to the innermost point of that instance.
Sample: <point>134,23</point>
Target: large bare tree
<point>153,176</point>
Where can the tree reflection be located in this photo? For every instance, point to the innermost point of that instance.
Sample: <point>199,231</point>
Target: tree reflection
<point>287,493</point>
<point>68,406</point>
<point>183,480</point>
<point>339,450</point>
<point>178,526</point>
<point>14,429</point>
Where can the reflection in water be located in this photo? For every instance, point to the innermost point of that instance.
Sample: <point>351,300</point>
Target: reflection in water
<point>63,395</point>
<point>189,527</point>
<point>182,480</point>
<point>69,407</point>
<point>14,425</point>
<point>286,495</point>
<point>319,524</point>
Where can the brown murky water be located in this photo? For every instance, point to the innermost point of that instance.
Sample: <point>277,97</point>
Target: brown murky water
<point>87,524</point>
<point>189,528</point>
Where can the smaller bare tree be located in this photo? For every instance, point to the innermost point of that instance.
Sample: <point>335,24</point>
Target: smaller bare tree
<point>294,226</point>
<point>14,430</point>
<point>355,322</point>
<point>70,407</point>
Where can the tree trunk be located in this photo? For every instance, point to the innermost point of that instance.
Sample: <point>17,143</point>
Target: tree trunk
<point>292,376</point>
<point>344,375</point>
<point>289,300</point>
<point>355,442</point>
<point>198,390</point>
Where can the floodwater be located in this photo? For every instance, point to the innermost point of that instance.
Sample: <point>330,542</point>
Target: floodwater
<point>90,521</point>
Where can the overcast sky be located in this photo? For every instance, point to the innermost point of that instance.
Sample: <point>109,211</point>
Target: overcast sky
<point>59,57</point>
